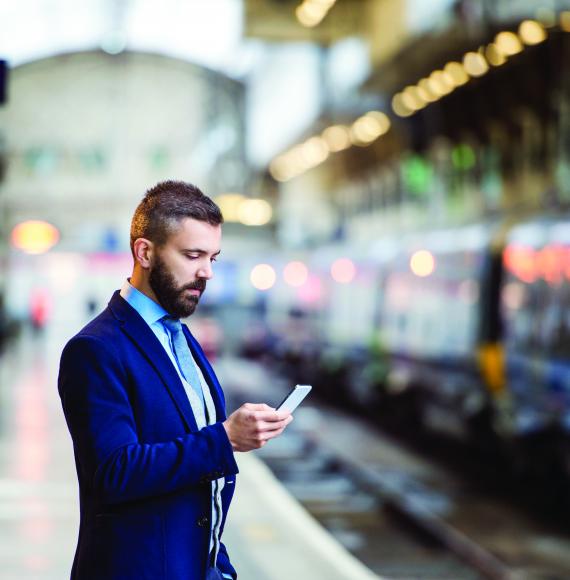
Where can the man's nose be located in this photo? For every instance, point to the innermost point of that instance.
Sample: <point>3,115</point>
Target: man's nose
<point>206,272</point>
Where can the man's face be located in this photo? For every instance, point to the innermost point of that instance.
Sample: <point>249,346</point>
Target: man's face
<point>182,266</point>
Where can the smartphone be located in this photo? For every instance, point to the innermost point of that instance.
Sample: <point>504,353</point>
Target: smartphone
<point>295,397</point>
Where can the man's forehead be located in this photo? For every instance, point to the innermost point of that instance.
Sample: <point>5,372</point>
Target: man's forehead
<point>197,234</point>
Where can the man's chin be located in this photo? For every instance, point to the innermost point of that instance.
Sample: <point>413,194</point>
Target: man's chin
<point>186,308</point>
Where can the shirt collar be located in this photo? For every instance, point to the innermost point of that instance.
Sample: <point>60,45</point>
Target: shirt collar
<point>150,311</point>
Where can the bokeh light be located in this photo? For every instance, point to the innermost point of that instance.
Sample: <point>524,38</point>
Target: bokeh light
<point>311,292</point>
<point>422,263</point>
<point>34,236</point>
<point>456,71</point>
<point>229,204</point>
<point>532,32</point>
<point>295,273</point>
<point>254,212</point>
<point>508,43</point>
<point>343,271</point>
<point>475,64</point>
<point>337,137</point>
<point>263,277</point>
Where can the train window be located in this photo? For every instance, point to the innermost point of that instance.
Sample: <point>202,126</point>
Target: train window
<point>433,316</point>
<point>535,308</point>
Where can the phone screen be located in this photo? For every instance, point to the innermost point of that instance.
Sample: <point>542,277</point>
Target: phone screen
<point>295,397</point>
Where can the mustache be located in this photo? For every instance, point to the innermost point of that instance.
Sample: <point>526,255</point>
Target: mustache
<point>198,285</point>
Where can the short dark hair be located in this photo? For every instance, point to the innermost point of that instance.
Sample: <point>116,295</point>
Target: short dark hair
<point>165,205</point>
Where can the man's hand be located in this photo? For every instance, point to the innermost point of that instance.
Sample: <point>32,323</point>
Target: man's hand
<point>252,425</point>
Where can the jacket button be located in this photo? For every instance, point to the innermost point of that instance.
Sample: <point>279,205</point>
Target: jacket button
<point>203,521</point>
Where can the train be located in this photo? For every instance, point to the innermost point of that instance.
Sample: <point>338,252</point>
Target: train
<point>462,331</point>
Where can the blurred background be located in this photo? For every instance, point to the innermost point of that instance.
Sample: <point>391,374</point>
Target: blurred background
<point>395,180</point>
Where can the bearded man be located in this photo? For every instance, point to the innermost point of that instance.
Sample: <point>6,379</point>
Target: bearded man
<point>153,448</point>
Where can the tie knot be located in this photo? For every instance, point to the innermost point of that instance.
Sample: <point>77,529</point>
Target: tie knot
<point>172,324</point>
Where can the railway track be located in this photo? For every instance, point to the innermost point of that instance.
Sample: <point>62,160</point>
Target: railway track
<point>402,515</point>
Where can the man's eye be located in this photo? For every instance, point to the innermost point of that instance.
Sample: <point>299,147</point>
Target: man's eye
<point>213,260</point>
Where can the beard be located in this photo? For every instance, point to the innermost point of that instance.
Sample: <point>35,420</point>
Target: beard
<point>174,299</point>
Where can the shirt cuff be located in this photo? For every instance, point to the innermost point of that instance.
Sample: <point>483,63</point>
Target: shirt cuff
<point>227,576</point>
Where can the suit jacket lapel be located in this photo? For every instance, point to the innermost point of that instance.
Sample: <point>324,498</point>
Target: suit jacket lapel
<point>149,346</point>
<point>209,374</point>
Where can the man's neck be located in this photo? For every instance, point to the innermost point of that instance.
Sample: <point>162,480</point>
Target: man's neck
<point>140,282</point>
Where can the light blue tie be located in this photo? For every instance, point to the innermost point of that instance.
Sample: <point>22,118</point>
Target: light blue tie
<point>183,356</point>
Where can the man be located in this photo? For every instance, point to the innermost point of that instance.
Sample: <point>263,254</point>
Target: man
<point>153,448</point>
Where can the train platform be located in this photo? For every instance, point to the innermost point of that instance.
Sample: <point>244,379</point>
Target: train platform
<point>269,535</point>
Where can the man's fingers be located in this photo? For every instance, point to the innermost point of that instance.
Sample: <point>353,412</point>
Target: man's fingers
<point>265,412</point>
<point>257,407</point>
<point>268,417</point>
<point>253,424</point>
<point>269,426</point>
<point>271,430</point>
<point>272,434</point>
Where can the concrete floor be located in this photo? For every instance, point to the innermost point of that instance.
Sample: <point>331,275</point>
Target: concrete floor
<point>38,491</point>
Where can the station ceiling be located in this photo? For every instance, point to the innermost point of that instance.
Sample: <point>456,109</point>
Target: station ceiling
<point>207,32</point>
<point>223,35</point>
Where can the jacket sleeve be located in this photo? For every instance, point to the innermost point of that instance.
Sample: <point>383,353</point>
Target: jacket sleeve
<point>93,389</point>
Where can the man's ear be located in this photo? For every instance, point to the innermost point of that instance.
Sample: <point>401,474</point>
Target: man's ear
<point>143,250</point>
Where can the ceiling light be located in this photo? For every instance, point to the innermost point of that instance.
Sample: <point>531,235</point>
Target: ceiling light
<point>532,32</point>
<point>475,64</point>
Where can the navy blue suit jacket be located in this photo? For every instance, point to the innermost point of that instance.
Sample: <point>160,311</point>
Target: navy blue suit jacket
<point>144,468</point>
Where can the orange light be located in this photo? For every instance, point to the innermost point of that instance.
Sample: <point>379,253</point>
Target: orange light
<point>34,237</point>
<point>422,263</point>
<point>263,277</point>
<point>295,273</point>
<point>521,262</point>
<point>343,271</point>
